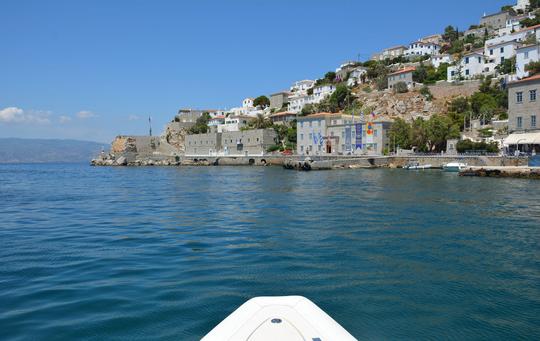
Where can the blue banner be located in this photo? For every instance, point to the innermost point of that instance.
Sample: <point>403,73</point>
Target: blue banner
<point>348,138</point>
<point>358,128</point>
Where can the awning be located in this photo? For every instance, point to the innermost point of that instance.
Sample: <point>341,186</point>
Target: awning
<point>524,138</point>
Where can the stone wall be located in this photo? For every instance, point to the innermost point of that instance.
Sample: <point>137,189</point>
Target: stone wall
<point>445,90</point>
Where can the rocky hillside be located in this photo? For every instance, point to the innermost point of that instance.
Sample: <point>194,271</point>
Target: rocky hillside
<point>387,104</point>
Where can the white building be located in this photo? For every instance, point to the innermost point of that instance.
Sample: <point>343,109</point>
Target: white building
<point>233,123</point>
<point>393,52</point>
<point>299,100</point>
<point>357,76</point>
<point>302,86</point>
<point>471,65</point>
<point>498,53</point>
<point>247,103</point>
<point>438,59</point>
<point>419,48</point>
<point>525,55</point>
<point>521,5</point>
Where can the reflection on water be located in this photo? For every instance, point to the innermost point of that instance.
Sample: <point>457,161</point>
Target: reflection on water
<point>167,253</point>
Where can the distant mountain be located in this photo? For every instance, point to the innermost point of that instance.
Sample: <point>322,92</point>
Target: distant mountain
<point>15,150</point>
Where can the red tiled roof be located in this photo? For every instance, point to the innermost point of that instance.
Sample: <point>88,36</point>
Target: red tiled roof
<point>532,78</point>
<point>285,113</point>
<point>405,70</point>
<point>529,28</point>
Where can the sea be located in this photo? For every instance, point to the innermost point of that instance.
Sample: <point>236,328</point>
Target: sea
<point>166,253</point>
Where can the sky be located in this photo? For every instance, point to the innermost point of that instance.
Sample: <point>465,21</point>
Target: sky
<point>91,70</point>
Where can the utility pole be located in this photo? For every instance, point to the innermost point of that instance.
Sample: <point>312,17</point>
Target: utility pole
<point>150,124</point>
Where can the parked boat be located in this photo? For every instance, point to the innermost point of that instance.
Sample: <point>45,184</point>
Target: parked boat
<point>285,318</point>
<point>454,167</point>
<point>416,166</point>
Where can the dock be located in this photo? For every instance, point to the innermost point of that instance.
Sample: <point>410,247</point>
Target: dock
<point>526,172</point>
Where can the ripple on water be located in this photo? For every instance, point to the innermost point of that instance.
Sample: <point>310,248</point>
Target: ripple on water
<point>167,253</point>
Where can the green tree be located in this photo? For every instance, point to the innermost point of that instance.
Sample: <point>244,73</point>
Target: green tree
<point>419,136</point>
<point>308,109</point>
<point>400,134</point>
<point>426,92</point>
<point>261,101</point>
<point>420,74</point>
<point>533,67</point>
<point>459,105</point>
<point>508,66</point>
<point>260,122</point>
<point>330,76</point>
<point>451,34</point>
<point>340,97</point>
<point>482,103</point>
<point>401,87</point>
<point>201,124</point>
<point>440,128</point>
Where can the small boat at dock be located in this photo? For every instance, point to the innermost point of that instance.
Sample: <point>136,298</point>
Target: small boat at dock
<point>416,166</point>
<point>283,318</point>
<point>454,167</point>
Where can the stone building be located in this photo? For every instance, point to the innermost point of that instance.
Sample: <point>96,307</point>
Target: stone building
<point>523,114</point>
<point>496,20</point>
<point>404,75</point>
<point>279,99</point>
<point>203,144</point>
<point>240,143</point>
<point>340,134</point>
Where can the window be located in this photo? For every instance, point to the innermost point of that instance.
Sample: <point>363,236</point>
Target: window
<point>502,60</point>
<point>519,97</point>
<point>375,132</point>
<point>502,49</point>
<point>526,55</point>
<point>491,52</point>
<point>532,95</point>
<point>452,73</point>
<point>467,72</point>
<point>301,124</point>
<point>302,149</point>
<point>519,122</point>
<point>479,60</point>
<point>466,60</point>
<point>533,121</point>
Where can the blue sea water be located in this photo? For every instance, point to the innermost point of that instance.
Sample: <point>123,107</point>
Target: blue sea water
<point>167,253</point>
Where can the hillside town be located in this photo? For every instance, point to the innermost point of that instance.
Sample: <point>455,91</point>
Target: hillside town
<point>470,91</point>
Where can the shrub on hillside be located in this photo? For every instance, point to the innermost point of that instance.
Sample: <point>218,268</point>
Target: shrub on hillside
<point>400,88</point>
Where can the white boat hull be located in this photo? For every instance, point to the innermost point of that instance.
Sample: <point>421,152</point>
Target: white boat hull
<point>286,318</point>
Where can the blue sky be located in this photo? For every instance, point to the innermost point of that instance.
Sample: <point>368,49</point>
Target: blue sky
<point>93,69</point>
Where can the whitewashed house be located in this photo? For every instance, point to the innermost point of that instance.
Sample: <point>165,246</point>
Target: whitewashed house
<point>321,92</point>
<point>233,123</point>
<point>248,102</point>
<point>357,76</point>
<point>419,48</point>
<point>521,5</point>
<point>299,100</point>
<point>302,86</point>
<point>393,52</point>
<point>498,53</point>
<point>525,55</point>
<point>438,59</point>
<point>471,65</point>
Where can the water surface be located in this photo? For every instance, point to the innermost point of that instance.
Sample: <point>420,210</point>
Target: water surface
<point>167,253</point>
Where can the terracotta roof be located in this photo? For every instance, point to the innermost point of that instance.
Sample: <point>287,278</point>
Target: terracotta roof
<point>320,114</point>
<point>217,117</point>
<point>405,70</point>
<point>529,28</point>
<point>532,78</point>
<point>526,46</point>
<point>285,113</point>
